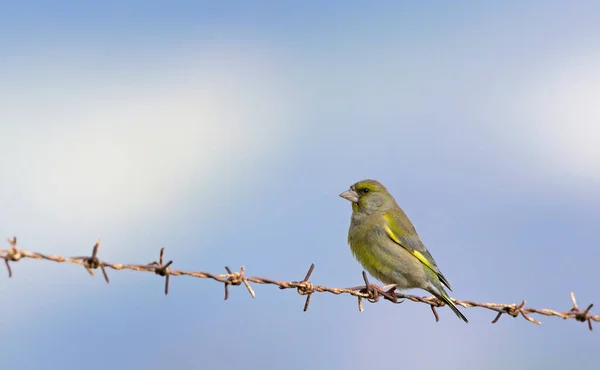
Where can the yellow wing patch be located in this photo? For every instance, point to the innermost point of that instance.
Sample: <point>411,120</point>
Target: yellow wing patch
<point>392,235</point>
<point>415,253</point>
<point>424,260</point>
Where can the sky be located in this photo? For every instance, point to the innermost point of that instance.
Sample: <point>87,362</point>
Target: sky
<point>224,133</point>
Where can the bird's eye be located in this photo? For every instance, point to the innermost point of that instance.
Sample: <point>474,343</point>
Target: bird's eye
<point>365,190</point>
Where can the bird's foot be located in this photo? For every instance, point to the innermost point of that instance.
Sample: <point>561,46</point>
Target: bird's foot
<point>375,291</point>
<point>389,293</point>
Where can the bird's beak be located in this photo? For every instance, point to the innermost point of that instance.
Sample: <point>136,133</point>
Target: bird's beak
<point>350,195</point>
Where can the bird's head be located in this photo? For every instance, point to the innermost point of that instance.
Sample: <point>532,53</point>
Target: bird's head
<point>368,196</point>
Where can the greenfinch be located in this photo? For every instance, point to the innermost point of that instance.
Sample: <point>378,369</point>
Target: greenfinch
<point>386,244</point>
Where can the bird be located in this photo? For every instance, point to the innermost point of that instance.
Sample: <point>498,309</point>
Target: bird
<point>386,244</point>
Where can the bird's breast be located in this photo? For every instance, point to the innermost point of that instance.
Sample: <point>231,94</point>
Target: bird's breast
<point>384,259</point>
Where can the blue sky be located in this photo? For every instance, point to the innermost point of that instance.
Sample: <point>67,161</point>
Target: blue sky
<point>225,132</point>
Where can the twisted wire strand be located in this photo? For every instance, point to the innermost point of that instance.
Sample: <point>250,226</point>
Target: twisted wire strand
<point>370,292</point>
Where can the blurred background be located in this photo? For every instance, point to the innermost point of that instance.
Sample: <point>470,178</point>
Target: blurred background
<point>224,132</point>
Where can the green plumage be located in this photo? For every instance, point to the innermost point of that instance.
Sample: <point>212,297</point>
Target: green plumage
<point>386,244</point>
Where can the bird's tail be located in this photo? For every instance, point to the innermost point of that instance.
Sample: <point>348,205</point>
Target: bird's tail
<point>443,296</point>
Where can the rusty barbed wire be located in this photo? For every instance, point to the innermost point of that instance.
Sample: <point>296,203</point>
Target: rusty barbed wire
<point>370,292</point>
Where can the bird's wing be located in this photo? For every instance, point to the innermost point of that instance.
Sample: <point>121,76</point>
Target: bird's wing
<point>412,244</point>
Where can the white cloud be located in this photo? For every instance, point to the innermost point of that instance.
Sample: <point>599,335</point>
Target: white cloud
<point>562,114</point>
<point>100,149</point>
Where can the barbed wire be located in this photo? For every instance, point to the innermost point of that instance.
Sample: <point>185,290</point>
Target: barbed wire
<point>370,292</point>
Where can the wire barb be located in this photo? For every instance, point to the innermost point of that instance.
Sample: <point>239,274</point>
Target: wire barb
<point>93,262</point>
<point>306,288</point>
<point>13,254</point>
<point>435,314</point>
<point>582,316</point>
<point>162,270</point>
<point>237,278</point>
<point>369,291</point>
